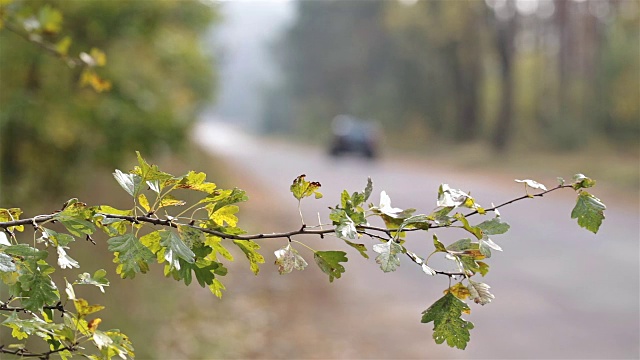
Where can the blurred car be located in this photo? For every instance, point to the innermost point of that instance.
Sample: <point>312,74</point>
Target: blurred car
<point>351,135</point>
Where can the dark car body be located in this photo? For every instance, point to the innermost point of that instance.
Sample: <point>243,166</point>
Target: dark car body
<point>351,135</point>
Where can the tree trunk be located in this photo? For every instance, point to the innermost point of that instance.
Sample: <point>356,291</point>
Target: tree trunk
<point>505,36</point>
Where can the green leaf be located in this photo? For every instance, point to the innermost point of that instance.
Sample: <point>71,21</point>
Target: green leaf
<point>581,181</point>
<point>112,226</point>
<point>351,203</point>
<point>250,250</point>
<point>76,226</point>
<point>50,19</point>
<point>287,259</point>
<point>329,262</point>
<point>483,268</point>
<point>55,238</point>
<point>448,325</point>
<point>469,263</point>
<point>196,181</point>
<point>6,263</point>
<point>203,268</point>
<point>494,226</point>
<point>460,245</point>
<point>345,226</point>
<point>148,173</point>
<point>113,343</point>
<point>388,258</point>
<point>416,221</point>
<point>438,245</point>
<point>190,235</point>
<point>476,231</point>
<point>38,289</point>
<point>441,217</point>
<point>175,248</point>
<point>129,182</point>
<point>225,197</point>
<point>560,181</point>
<point>22,328</point>
<point>302,188</point>
<point>360,247</point>
<point>589,211</point>
<point>368,190</point>
<point>26,251</point>
<point>98,279</point>
<point>131,255</point>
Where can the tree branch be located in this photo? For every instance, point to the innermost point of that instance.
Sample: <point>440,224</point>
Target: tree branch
<point>26,353</point>
<point>5,307</point>
<point>48,47</point>
<point>302,231</point>
<point>38,219</point>
<point>528,196</point>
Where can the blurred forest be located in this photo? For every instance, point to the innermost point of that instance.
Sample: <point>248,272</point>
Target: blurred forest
<point>52,130</point>
<point>559,74</point>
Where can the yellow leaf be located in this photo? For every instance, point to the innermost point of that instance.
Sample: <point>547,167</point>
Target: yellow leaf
<point>11,214</point>
<point>62,47</point>
<point>90,78</point>
<point>225,214</point>
<point>50,19</point>
<point>84,309</point>
<point>474,253</point>
<point>98,56</point>
<point>93,324</point>
<point>170,201</point>
<point>458,290</point>
<point>142,200</point>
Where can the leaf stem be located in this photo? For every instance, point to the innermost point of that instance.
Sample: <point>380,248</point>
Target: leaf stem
<point>303,244</point>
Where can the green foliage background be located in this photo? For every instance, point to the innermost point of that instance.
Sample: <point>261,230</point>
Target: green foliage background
<point>52,130</point>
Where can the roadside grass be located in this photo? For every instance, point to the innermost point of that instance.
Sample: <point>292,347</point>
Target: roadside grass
<point>615,166</point>
<point>616,170</point>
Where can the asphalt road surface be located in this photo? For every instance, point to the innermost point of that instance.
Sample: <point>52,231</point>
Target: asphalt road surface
<point>560,291</point>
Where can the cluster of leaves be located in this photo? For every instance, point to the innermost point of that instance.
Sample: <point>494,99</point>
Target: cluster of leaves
<point>55,99</point>
<point>189,239</point>
<point>43,27</point>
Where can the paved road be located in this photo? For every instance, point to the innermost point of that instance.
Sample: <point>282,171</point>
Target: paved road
<point>561,292</point>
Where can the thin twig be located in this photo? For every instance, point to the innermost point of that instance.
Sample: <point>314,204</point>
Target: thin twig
<point>27,353</point>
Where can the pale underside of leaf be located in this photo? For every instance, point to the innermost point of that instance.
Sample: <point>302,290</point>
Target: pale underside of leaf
<point>287,259</point>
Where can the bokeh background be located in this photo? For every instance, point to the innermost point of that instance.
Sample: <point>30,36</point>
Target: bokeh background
<point>471,93</point>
